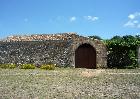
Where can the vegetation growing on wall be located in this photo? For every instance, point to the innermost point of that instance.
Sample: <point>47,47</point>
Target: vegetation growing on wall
<point>122,51</point>
<point>95,37</point>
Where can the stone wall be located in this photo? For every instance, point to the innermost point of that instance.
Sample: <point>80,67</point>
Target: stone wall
<point>37,52</point>
<point>58,49</point>
<point>41,37</point>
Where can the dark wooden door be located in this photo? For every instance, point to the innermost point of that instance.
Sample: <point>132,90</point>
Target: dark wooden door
<point>85,57</point>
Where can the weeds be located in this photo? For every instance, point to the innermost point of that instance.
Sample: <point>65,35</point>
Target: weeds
<point>48,66</point>
<point>8,66</point>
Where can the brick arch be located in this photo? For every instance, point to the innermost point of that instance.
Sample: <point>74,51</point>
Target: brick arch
<point>85,56</point>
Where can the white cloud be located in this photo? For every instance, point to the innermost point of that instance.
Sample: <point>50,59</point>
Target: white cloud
<point>26,20</point>
<point>134,15</point>
<point>131,16</point>
<point>72,19</point>
<point>91,18</point>
<point>133,20</point>
<point>129,24</point>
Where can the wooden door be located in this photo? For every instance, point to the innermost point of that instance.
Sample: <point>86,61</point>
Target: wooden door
<point>85,57</point>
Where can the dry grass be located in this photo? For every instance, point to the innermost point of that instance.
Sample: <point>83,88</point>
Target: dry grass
<point>70,84</point>
<point>90,73</point>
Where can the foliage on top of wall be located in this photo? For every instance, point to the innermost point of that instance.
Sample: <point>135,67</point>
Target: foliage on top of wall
<point>95,37</point>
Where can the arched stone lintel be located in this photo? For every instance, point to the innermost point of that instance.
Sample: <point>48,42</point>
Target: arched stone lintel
<point>77,44</point>
<point>99,48</point>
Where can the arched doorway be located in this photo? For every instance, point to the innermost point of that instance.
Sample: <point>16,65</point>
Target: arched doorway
<point>85,57</point>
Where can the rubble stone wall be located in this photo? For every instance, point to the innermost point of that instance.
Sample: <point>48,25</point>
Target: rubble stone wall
<point>58,49</point>
<point>37,52</point>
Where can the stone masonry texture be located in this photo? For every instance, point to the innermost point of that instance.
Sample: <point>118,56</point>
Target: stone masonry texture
<point>40,49</point>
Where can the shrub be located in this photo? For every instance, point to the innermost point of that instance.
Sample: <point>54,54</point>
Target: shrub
<point>122,51</point>
<point>48,66</point>
<point>27,66</point>
<point>8,66</point>
<point>3,66</point>
<point>11,66</point>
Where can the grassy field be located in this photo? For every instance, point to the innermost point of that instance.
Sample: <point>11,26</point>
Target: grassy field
<point>66,83</point>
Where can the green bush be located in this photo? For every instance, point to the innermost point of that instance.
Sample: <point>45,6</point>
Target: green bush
<point>27,66</point>
<point>122,51</point>
<point>48,66</point>
<point>8,66</point>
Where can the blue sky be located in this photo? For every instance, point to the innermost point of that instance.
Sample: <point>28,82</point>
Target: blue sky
<point>105,18</point>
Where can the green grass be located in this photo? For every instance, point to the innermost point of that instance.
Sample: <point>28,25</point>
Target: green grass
<point>67,83</point>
